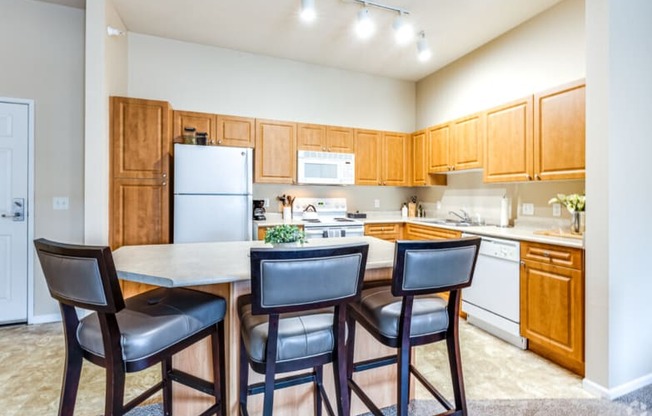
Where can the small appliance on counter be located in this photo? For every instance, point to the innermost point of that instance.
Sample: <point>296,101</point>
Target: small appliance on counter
<point>259,210</point>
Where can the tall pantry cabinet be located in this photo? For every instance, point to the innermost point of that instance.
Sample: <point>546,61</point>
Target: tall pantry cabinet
<point>140,172</point>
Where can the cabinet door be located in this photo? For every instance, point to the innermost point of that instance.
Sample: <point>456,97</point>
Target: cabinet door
<point>234,131</point>
<point>508,143</point>
<point>395,158</point>
<point>339,139</point>
<point>275,155</point>
<point>419,158</point>
<point>140,138</point>
<point>311,137</point>
<point>140,212</point>
<point>552,313</point>
<point>385,231</point>
<point>438,148</point>
<point>425,232</point>
<point>367,157</point>
<point>559,133</point>
<point>467,143</point>
<point>202,122</point>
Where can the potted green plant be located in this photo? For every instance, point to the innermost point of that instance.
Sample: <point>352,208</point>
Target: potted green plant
<point>575,204</point>
<point>285,235</point>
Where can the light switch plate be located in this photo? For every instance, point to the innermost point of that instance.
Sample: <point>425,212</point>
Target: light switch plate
<point>60,203</point>
<point>527,209</point>
<point>556,210</point>
<point>376,203</point>
<point>266,203</point>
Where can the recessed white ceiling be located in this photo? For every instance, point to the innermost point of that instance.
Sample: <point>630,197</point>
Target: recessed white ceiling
<point>272,27</point>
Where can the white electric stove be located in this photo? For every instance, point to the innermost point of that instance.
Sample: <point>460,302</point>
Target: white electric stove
<point>326,218</point>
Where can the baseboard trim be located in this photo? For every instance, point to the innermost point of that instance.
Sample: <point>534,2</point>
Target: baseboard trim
<point>45,319</point>
<point>615,392</point>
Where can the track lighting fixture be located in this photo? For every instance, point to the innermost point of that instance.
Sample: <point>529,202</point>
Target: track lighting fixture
<point>308,12</point>
<point>364,26</point>
<point>424,52</point>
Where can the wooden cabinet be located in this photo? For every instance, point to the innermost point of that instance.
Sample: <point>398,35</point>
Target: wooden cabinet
<point>234,131</point>
<point>202,122</point>
<point>222,130</point>
<point>559,133</point>
<point>508,142</point>
<point>385,231</point>
<point>275,157</point>
<point>426,232</point>
<point>552,303</point>
<point>467,143</point>
<point>537,138</point>
<point>140,145</point>
<point>324,138</point>
<point>419,158</point>
<point>456,145</point>
<point>381,158</point>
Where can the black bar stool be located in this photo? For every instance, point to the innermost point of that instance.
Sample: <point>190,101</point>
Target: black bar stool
<point>295,318</point>
<point>406,312</point>
<point>125,336</point>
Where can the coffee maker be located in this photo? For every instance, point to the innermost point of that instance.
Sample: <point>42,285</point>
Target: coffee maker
<point>259,210</point>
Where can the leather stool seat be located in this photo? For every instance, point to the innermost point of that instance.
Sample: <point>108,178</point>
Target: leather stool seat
<point>300,335</point>
<point>382,310</point>
<point>155,320</point>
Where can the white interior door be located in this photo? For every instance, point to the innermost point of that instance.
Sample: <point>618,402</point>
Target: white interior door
<point>14,135</point>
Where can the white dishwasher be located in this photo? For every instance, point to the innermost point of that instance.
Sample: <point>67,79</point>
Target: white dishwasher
<point>493,300</point>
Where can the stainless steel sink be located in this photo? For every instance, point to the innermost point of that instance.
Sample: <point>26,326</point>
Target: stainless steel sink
<point>441,221</point>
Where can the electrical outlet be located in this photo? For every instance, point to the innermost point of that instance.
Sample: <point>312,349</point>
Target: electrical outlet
<point>60,203</point>
<point>556,210</point>
<point>266,202</point>
<point>376,203</point>
<point>527,209</point>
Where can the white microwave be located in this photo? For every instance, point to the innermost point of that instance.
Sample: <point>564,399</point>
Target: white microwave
<point>325,168</point>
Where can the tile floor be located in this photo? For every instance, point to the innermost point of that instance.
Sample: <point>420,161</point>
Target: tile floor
<point>31,364</point>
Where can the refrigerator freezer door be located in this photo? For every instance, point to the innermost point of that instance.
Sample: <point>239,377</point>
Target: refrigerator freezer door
<point>206,218</point>
<point>212,170</point>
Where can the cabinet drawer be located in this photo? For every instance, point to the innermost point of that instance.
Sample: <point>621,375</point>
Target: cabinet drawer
<point>424,232</point>
<point>390,232</point>
<point>552,254</point>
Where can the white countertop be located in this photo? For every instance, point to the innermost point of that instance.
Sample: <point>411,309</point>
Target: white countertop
<point>195,264</point>
<point>519,232</point>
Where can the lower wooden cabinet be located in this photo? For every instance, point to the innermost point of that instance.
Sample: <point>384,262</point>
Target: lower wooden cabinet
<point>385,231</point>
<point>425,232</point>
<point>552,303</point>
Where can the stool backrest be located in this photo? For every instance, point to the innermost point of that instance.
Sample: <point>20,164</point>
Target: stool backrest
<point>81,276</point>
<point>288,280</point>
<point>422,267</point>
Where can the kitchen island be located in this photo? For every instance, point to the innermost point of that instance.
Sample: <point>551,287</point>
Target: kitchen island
<point>224,269</point>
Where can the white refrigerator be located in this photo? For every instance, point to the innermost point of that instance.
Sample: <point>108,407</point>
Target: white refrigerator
<point>212,193</point>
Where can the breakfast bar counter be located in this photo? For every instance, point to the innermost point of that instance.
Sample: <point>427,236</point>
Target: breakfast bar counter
<point>223,268</point>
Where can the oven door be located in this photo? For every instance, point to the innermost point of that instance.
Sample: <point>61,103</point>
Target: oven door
<point>333,232</point>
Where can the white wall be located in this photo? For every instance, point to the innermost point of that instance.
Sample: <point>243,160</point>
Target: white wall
<point>619,279</point>
<point>203,78</point>
<point>42,51</point>
<point>544,52</point>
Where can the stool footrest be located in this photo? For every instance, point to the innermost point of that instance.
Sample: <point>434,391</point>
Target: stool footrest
<point>192,381</point>
<point>282,383</point>
<point>374,363</point>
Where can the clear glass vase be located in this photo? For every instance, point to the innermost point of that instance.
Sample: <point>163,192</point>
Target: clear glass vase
<point>577,222</point>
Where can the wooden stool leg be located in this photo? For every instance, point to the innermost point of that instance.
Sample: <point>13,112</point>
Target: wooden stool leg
<point>166,368</point>
<point>319,381</point>
<point>219,363</point>
<point>115,390</point>
<point>403,393</point>
<point>73,367</point>
<point>244,379</point>
<point>457,377</point>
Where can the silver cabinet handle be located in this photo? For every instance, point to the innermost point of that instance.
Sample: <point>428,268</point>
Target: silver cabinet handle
<point>15,215</point>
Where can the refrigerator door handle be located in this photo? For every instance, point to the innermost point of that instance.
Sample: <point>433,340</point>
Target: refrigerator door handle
<point>249,225</point>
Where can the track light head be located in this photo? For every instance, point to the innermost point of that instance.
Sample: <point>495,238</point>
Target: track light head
<point>364,26</point>
<point>308,12</point>
<point>403,30</point>
<point>423,50</point>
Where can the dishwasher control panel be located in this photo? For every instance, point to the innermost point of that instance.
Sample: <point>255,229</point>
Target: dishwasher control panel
<point>503,249</point>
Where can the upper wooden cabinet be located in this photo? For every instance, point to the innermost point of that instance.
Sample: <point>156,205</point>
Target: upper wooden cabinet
<point>381,158</point>
<point>508,142</point>
<point>456,145</point>
<point>467,142</point>
<point>140,143</point>
<point>559,133</point>
<point>368,145</point>
<point>419,158</point>
<point>322,138</point>
<point>222,130</point>
<point>235,131</point>
<point>276,152</point>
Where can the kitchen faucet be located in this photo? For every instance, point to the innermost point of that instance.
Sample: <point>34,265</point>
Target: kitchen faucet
<point>464,218</point>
